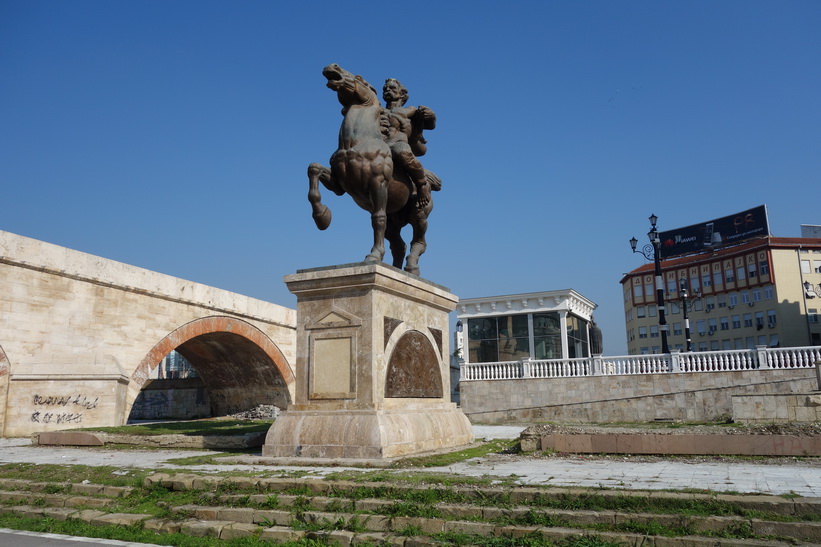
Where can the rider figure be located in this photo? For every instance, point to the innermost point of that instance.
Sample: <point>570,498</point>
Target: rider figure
<point>402,126</point>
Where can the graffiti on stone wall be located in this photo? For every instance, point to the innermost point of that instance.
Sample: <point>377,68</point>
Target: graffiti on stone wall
<point>72,407</point>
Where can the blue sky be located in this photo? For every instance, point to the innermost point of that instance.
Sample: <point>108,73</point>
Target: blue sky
<point>175,135</point>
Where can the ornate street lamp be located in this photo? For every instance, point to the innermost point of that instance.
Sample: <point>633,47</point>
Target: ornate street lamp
<point>686,305</point>
<point>652,251</point>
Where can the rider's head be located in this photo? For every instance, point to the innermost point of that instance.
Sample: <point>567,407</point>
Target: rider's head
<point>394,91</point>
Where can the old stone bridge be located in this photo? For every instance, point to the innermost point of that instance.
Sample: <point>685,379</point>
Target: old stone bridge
<point>79,335</point>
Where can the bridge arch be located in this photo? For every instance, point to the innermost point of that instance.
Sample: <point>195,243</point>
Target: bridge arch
<point>240,366</point>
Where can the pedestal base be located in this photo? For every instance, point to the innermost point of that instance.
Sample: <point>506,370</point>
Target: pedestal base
<point>366,434</point>
<point>372,371</point>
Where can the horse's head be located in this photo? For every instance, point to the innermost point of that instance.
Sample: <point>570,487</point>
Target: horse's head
<point>350,89</point>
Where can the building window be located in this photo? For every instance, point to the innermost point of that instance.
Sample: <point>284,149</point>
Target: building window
<point>640,311</point>
<point>642,332</point>
<point>736,321</point>
<point>654,331</point>
<point>805,266</point>
<point>750,342</point>
<point>694,284</point>
<point>644,350</point>
<point>699,305</point>
<point>700,327</point>
<point>748,320</point>
<point>722,300</point>
<point>733,299</point>
<point>745,297</point>
<point>649,290</point>
<point>752,270</point>
<point>725,345</point>
<point>717,278</point>
<point>773,340</point>
<point>756,295</point>
<point>674,307</point>
<point>637,292</point>
<point>764,267</point>
<point>651,310</point>
<point>710,302</point>
<point>725,323</point>
<point>740,273</point>
<point>729,276</point>
<point>702,346</point>
<point>812,314</point>
<point>711,325</point>
<point>672,286</point>
<point>705,279</point>
<point>759,320</point>
<point>768,292</point>
<point>503,338</point>
<point>762,340</point>
<point>677,329</point>
<point>771,318</point>
<point>714,345</point>
<point>738,343</point>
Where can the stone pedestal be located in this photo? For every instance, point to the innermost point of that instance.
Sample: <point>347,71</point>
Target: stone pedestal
<point>372,371</point>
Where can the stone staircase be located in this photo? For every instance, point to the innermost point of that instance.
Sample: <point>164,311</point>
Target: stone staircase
<point>397,513</point>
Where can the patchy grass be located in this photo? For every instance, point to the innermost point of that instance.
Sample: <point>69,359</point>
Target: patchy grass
<point>105,475</point>
<point>495,446</point>
<point>193,428</point>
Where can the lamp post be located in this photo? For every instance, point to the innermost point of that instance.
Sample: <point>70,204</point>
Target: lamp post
<point>686,304</point>
<point>652,251</point>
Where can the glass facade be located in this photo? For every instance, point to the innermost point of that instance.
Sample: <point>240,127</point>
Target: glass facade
<point>519,336</point>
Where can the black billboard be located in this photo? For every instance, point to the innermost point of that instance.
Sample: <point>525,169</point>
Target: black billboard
<point>717,233</point>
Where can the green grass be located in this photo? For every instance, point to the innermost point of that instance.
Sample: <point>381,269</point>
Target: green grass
<point>133,533</point>
<point>105,475</point>
<point>193,427</point>
<point>495,446</point>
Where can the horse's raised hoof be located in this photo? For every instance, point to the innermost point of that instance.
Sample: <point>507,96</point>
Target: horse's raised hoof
<point>322,218</point>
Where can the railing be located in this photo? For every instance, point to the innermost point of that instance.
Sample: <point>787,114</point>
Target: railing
<point>704,361</point>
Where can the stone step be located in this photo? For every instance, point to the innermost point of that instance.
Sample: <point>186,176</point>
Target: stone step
<point>523,495</point>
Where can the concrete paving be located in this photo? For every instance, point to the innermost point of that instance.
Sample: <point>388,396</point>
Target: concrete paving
<point>735,475</point>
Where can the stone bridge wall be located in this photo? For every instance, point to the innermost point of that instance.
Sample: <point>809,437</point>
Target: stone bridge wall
<point>79,335</point>
<point>692,397</point>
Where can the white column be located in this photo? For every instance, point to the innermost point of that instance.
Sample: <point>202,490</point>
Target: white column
<point>563,327</point>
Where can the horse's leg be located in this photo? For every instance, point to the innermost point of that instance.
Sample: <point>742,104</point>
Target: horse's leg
<point>419,222</point>
<point>379,219</point>
<point>321,213</point>
<point>393,234</point>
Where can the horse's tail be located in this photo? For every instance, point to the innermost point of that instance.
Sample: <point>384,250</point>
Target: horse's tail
<point>434,181</point>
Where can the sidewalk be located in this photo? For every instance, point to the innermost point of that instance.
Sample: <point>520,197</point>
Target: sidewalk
<point>737,475</point>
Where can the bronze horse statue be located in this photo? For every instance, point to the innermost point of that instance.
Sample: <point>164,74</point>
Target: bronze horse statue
<point>363,167</point>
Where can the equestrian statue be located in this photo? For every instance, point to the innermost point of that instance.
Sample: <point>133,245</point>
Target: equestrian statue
<point>377,164</point>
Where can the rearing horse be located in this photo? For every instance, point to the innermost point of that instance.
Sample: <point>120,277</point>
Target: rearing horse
<point>363,167</point>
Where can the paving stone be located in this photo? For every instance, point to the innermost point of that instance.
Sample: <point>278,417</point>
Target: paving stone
<point>238,530</point>
<point>425,525</point>
<point>163,526</point>
<point>769,504</point>
<point>369,504</point>
<point>376,538</point>
<point>236,514</point>
<point>119,519</point>
<point>59,513</point>
<point>478,528</point>
<point>273,516</point>
<point>281,534</point>
<point>86,489</point>
<point>342,538</point>
<point>87,515</point>
<point>805,531</point>
<point>203,528</point>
